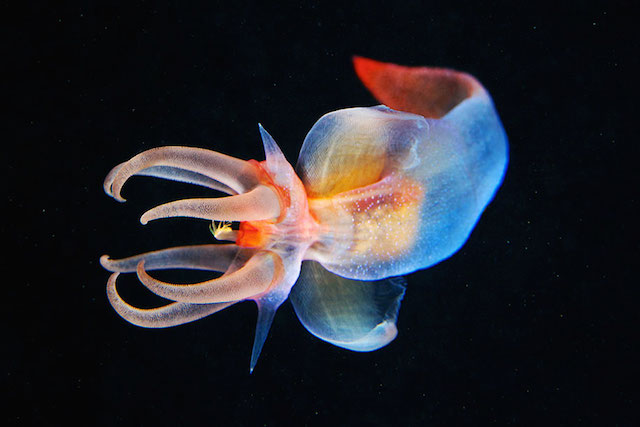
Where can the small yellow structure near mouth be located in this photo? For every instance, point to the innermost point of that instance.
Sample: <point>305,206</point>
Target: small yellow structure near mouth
<point>222,230</point>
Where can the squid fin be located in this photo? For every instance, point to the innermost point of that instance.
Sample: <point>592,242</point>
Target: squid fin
<point>353,314</point>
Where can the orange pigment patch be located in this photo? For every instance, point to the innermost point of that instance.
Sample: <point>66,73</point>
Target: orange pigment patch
<point>383,218</point>
<point>387,224</point>
<point>252,234</point>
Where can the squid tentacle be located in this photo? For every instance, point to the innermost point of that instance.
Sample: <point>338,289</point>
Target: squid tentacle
<point>239,175</point>
<point>260,203</point>
<point>189,177</point>
<point>212,257</point>
<point>173,314</point>
<point>249,281</point>
<point>172,174</point>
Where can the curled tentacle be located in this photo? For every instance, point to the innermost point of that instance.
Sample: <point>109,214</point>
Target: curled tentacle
<point>260,203</point>
<point>238,175</point>
<point>201,257</point>
<point>173,314</point>
<point>251,280</point>
<point>182,175</point>
<point>172,174</point>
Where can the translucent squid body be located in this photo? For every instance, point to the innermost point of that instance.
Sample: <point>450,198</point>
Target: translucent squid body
<point>378,192</point>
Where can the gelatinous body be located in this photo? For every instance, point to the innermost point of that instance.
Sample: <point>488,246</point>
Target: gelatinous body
<point>378,192</point>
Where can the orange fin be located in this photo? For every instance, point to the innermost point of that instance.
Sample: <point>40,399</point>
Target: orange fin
<point>427,91</point>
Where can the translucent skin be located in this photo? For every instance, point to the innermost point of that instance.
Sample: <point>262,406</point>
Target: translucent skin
<point>377,192</point>
<point>428,182</point>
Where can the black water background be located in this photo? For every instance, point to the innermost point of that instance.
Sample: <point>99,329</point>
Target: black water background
<point>533,322</point>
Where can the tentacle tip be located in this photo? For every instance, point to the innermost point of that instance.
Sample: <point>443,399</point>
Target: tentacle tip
<point>144,219</point>
<point>116,196</point>
<point>115,193</point>
<point>105,262</point>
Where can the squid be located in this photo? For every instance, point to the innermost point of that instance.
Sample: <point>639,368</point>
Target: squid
<point>378,192</point>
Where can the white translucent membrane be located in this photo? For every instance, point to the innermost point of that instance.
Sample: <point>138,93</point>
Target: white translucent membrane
<point>353,314</point>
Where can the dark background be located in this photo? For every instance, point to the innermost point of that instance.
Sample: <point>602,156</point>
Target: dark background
<point>530,323</point>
